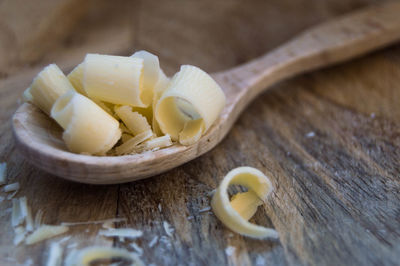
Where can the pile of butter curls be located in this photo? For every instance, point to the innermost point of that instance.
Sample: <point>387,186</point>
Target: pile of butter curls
<point>117,105</point>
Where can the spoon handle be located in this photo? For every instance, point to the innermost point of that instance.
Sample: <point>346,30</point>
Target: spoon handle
<point>332,42</point>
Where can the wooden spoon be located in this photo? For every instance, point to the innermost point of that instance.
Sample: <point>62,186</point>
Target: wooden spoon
<point>39,138</point>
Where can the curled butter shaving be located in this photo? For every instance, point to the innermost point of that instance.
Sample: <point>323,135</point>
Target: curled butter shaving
<point>159,89</point>
<point>125,137</point>
<point>47,87</point>
<point>151,70</point>
<point>191,94</point>
<point>191,132</point>
<point>89,255</point>
<point>135,122</point>
<point>246,203</point>
<point>156,143</point>
<point>147,112</point>
<point>76,78</point>
<point>130,145</point>
<point>87,127</point>
<point>115,79</point>
<point>235,214</point>
<point>105,106</point>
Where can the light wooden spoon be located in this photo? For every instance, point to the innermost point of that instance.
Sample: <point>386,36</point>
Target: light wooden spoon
<point>39,138</point>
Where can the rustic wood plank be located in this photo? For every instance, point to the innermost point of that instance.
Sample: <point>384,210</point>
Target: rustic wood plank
<point>319,179</point>
<point>218,36</point>
<point>329,43</point>
<point>28,29</point>
<point>330,186</point>
<point>108,28</point>
<point>61,201</point>
<point>337,190</point>
<point>62,32</point>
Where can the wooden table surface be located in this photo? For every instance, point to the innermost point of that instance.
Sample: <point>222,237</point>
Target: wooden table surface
<point>328,140</point>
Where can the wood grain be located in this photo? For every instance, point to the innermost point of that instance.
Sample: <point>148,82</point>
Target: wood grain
<point>337,193</point>
<point>39,137</point>
<point>25,24</point>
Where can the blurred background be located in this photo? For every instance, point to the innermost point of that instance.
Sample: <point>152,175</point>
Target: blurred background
<point>213,35</point>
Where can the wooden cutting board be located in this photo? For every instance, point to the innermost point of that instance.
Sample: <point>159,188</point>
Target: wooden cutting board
<point>329,141</point>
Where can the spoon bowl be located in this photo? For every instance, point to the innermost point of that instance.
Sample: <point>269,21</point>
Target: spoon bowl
<point>39,138</point>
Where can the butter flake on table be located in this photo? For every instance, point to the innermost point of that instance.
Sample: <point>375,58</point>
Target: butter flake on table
<point>45,232</point>
<point>121,232</point>
<point>168,229</point>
